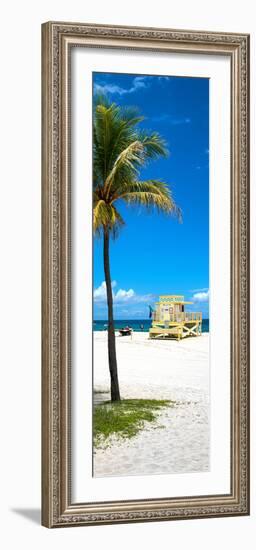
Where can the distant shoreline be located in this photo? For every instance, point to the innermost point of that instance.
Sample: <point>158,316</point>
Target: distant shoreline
<point>138,325</point>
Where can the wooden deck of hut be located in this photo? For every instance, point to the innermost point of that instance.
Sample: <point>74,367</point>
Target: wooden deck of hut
<point>170,320</point>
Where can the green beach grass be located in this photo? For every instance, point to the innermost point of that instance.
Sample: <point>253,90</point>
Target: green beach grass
<point>124,418</point>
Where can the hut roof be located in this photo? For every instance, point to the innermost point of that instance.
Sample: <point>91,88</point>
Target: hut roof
<point>172,299</point>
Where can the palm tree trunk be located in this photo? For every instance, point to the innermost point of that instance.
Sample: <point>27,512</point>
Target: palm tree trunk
<point>115,394</point>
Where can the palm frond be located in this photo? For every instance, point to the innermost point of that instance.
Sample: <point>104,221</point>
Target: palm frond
<point>120,150</point>
<point>114,129</point>
<point>154,145</point>
<point>106,216</point>
<point>126,164</point>
<point>151,194</point>
<point>119,223</point>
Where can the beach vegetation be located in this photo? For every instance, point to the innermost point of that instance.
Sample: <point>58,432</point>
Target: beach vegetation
<point>124,418</point>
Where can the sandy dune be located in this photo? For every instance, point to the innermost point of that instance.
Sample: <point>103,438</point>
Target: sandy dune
<point>178,371</point>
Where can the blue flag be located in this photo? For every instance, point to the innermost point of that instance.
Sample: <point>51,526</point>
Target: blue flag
<point>150,311</point>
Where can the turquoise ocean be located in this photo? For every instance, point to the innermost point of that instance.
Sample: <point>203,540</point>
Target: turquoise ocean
<point>138,325</point>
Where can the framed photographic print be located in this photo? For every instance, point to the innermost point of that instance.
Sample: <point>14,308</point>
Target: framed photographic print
<point>145,274</point>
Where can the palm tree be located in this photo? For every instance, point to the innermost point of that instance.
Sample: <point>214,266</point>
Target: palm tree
<point>120,149</point>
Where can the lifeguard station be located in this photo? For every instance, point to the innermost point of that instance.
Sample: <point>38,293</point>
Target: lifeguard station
<point>170,320</point>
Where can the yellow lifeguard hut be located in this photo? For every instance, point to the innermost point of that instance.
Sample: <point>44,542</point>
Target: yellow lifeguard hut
<point>170,320</point>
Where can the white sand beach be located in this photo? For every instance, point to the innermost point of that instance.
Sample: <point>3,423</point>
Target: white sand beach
<point>148,369</point>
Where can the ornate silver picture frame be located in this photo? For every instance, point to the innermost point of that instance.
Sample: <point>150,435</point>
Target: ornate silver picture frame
<point>58,508</point>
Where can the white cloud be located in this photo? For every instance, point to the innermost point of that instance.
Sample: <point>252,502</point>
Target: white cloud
<point>100,293</point>
<point>202,296</point>
<point>163,78</point>
<point>172,121</point>
<point>137,83</point>
<point>124,295</point>
<point>199,290</point>
<point>108,89</point>
<point>121,296</point>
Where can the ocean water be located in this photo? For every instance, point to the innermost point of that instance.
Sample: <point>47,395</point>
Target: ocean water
<point>138,325</point>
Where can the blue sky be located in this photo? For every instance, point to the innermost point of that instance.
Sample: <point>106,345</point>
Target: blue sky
<point>155,254</point>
